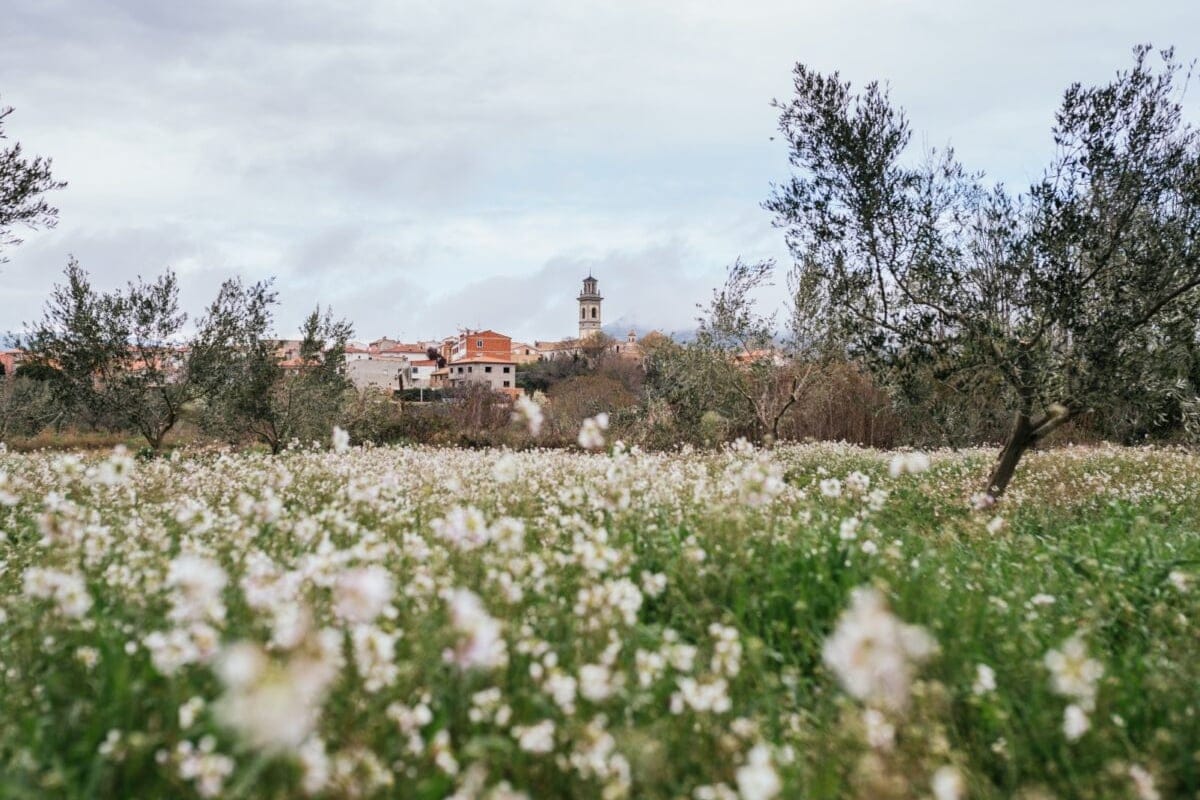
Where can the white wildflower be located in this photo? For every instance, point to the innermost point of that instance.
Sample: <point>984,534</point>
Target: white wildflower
<point>528,411</point>
<point>464,527</point>
<point>1075,722</point>
<point>361,594</point>
<point>480,644</point>
<point>197,583</point>
<point>189,711</point>
<point>1073,673</point>
<point>505,468</point>
<point>873,653</point>
<point>908,464</point>
<point>340,440</point>
<point>591,433</point>
<point>948,784</point>
<point>1180,580</point>
<point>537,738</point>
<point>1143,783</point>
<point>757,779</point>
<point>985,680</point>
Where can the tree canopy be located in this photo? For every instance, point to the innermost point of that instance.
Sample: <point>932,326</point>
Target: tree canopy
<point>24,182</point>
<point>121,356</point>
<point>1071,292</point>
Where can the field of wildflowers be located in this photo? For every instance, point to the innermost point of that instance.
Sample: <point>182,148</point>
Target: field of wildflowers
<point>812,621</point>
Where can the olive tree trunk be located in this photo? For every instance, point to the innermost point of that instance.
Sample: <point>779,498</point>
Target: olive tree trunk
<point>1026,433</point>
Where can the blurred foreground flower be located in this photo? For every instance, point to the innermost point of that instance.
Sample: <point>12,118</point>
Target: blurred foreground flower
<point>591,433</point>
<point>273,704</point>
<point>527,411</point>
<point>480,645</point>
<point>757,780</point>
<point>874,654</point>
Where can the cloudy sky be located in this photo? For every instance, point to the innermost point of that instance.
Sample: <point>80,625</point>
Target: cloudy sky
<point>422,165</point>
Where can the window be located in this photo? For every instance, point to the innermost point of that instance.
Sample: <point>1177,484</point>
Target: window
<point>470,369</point>
<point>487,369</point>
<point>506,384</point>
<point>460,370</point>
<point>479,342</point>
<point>583,313</point>
<point>506,370</point>
<point>593,312</point>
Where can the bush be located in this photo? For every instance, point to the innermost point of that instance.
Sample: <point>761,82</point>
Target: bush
<point>26,406</point>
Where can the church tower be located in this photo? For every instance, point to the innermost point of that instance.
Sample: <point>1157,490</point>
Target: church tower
<point>589,308</point>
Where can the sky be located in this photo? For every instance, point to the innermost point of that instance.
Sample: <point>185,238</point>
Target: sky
<point>422,165</point>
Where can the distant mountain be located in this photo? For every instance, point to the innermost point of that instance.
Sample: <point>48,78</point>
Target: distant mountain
<point>620,329</point>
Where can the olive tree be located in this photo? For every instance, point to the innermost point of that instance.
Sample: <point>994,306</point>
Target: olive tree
<point>24,181</point>
<point>123,357</point>
<point>768,370</point>
<point>276,401</point>
<point>1066,292</point>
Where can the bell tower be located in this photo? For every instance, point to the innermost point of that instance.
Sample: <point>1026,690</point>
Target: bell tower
<point>589,308</point>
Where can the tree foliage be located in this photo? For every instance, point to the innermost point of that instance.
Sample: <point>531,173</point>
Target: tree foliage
<point>277,401</point>
<point>768,371</point>
<point>121,356</point>
<point>1073,294</point>
<point>24,182</point>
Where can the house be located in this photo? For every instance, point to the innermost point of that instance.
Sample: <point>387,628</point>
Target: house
<point>523,353</point>
<point>288,349</point>
<point>381,344</point>
<point>772,355</point>
<point>391,348</point>
<point>481,343</point>
<point>418,373</point>
<point>9,361</point>
<point>498,373</point>
<point>376,373</point>
<point>562,348</point>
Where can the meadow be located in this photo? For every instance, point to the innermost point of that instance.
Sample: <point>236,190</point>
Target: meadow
<point>814,621</point>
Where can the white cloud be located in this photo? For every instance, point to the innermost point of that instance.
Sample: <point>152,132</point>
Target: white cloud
<point>422,165</point>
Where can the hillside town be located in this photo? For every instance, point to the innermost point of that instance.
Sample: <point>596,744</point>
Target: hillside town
<point>476,356</point>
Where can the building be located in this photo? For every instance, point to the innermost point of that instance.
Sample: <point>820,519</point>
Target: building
<point>385,374</point>
<point>418,373</point>
<point>9,361</point>
<point>523,353</point>
<point>562,348</point>
<point>498,373</point>
<point>589,308</point>
<point>288,349</point>
<point>481,343</point>
<point>629,348</point>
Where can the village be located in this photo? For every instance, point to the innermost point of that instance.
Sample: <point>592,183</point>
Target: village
<point>484,357</point>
